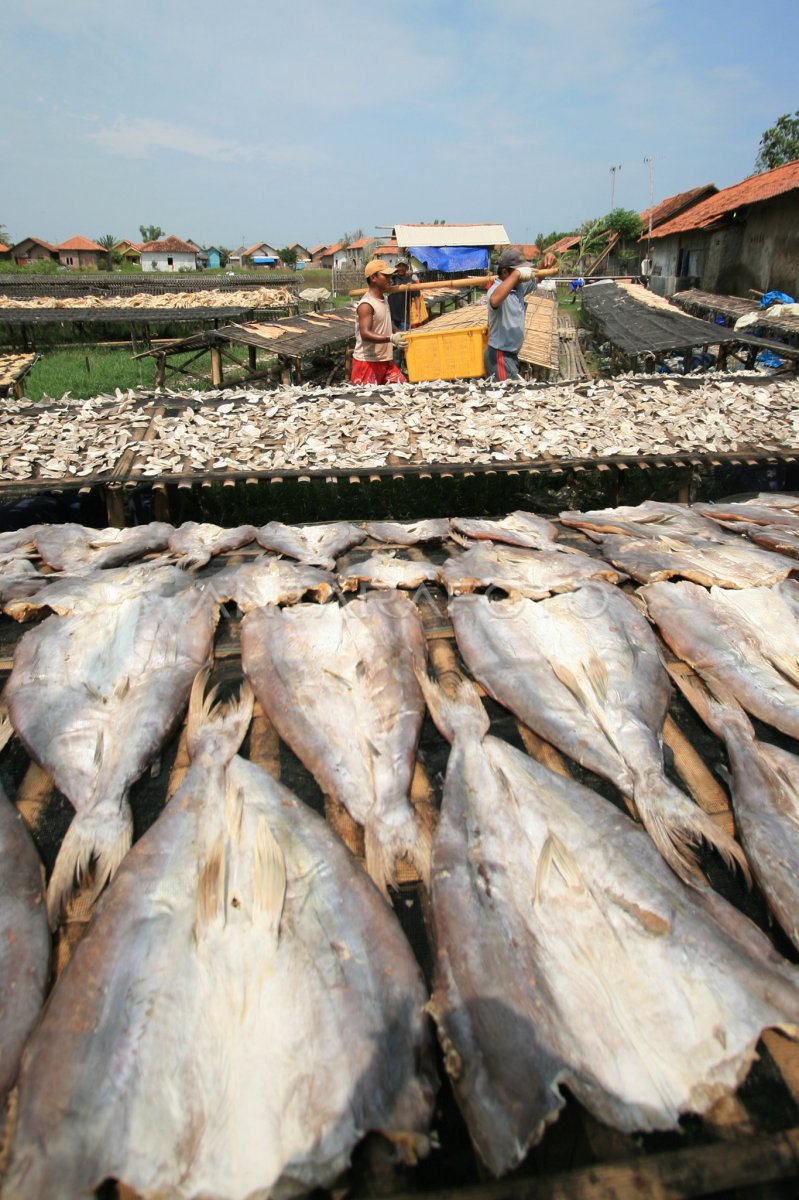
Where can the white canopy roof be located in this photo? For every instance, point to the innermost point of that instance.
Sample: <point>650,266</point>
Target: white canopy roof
<point>451,235</point>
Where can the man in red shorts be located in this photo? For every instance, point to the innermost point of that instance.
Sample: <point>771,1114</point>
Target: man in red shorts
<point>373,356</point>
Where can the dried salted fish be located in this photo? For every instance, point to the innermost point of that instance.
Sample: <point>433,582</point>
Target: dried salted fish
<point>24,939</point>
<point>517,529</point>
<point>72,547</point>
<point>387,571</point>
<point>269,580</point>
<point>743,643</point>
<point>521,572</point>
<point>76,594</point>
<point>195,544</point>
<point>568,955</point>
<point>338,683</point>
<point>733,563</point>
<point>17,541</point>
<point>19,578</point>
<point>410,533</point>
<point>653,518</point>
<point>318,545</point>
<point>174,1056</point>
<point>93,697</point>
<point>584,671</point>
<point>766,510</point>
<point>779,538</point>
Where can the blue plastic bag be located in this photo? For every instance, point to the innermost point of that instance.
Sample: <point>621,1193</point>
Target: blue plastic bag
<point>776,298</point>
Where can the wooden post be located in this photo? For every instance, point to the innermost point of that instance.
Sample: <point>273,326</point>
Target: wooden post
<point>252,354</point>
<point>217,373</point>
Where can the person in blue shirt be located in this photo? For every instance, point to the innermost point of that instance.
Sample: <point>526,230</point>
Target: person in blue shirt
<point>515,279</point>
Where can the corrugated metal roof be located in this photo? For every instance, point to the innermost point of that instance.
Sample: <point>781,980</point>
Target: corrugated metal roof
<point>752,190</point>
<point>451,235</point>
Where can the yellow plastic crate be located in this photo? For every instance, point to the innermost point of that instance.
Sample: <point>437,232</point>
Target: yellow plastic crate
<point>447,354</point>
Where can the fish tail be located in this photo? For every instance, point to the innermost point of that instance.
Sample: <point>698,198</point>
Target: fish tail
<point>6,729</point>
<point>676,825</point>
<point>101,838</point>
<point>457,713</point>
<point>410,840</point>
<point>216,730</point>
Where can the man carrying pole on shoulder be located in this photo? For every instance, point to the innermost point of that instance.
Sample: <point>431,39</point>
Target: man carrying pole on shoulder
<point>372,358</point>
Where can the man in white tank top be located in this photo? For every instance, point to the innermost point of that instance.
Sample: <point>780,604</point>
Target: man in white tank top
<point>373,356</point>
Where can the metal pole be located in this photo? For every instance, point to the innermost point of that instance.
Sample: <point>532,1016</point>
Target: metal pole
<point>650,163</point>
<point>613,171</point>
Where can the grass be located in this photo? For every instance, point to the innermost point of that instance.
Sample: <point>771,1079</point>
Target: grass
<point>87,372</point>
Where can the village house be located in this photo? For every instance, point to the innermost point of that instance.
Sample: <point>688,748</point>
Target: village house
<point>317,253</point>
<point>168,254</point>
<point>303,254</point>
<point>31,250</point>
<point>257,257</point>
<point>81,254</point>
<point>209,257</point>
<point>333,256</point>
<point>357,253</point>
<point>5,253</point>
<point>741,238</point>
<point>128,251</point>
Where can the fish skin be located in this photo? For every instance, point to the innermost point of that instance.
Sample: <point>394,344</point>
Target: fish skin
<point>338,683</point>
<point>195,543</point>
<point>72,547</point>
<point>18,579</point>
<point>68,595</point>
<point>779,538</point>
<point>517,529</point>
<point>93,697</point>
<point>743,643</point>
<point>750,512</point>
<point>734,564</point>
<point>584,671</point>
<point>24,940</point>
<point>522,572</point>
<point>318,545</point>
<point>568,954</point>
<point>409,533</point>
<point>653,518</point>
<point>269,580</point>
<point>16,541</point>
<point>386,571</point>
<point>173,1055</point>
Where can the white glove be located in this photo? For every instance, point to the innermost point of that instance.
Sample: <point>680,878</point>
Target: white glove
<point>525,274</point>
<point>400,338</point>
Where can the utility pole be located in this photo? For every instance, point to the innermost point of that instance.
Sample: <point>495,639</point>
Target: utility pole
<point>650,164</point>
<point>613,171</point>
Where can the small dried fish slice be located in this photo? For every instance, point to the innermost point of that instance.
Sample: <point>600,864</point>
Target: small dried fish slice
<point>517,529</point>
<point>409,534</point>
<point>269,580</point>
<point>531,573</point>
<point>72,547</point>
<point>386,571</point>
<point>318,545</point>
<point>195,543</point>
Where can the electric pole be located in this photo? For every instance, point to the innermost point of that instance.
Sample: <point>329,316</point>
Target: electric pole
<point>650,164</point>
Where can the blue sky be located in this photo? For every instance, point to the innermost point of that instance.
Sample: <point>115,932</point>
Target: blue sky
<point>299,122</point>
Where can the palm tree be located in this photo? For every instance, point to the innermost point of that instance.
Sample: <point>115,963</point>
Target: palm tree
<point>108,241</point>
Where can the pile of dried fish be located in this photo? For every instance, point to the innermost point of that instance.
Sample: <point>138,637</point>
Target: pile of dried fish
<point>261,297</point>
<point>348,427</point>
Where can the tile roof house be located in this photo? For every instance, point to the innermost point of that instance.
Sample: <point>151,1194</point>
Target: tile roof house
<point>742,238</point>
<point>168,254</point>
<point>317,252</point>
<point>33,250</point>
<point>259,255</point>
<point>327,258</point>
<point>78,253</point>
<point>5,253</point>
<point>127,250</point>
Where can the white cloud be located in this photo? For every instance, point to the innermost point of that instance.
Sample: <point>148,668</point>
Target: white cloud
<point>139,137</point>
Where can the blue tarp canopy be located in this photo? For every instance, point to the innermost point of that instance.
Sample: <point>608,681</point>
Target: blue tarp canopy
<point>451,258</point>
<point>262,258</point>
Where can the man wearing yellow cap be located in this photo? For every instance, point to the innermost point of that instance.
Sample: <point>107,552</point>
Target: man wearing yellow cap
<point>373,356</point>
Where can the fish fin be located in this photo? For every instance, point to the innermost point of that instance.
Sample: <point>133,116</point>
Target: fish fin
<point>210,888</point>
<point>379,859</point>
<point>103,837</point>
<point>555,855</point>
<point>269,877</point>
<point>6,730</point>
<point>410,839</point>
<point>598,677</point>
<point>216,730</point>
<point>459,713</point>
<point>675,824</point>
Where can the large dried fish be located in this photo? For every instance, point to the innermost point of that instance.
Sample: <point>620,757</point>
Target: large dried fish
<point>584,671</point>
<point>18,579</point>
<point>522,572</point>
<point>782,539</point>
<point>93,697</point>
<point>517,529</point>
<point>74,594</point>
<point>241,1011</point>
<point>568,955</point>
<point>18,541</point>
<point>318,545</point>
<point>653,518</point>
<point>743,643</point>
<point>24,939</point>
<point>338,683</point>
<point>72,547</point>
<point>766,510</point>
<point>269,580</point>
<point>387,571</point>
<point>734,563</point>
<point>195,543</point>
<point>408,534</point>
